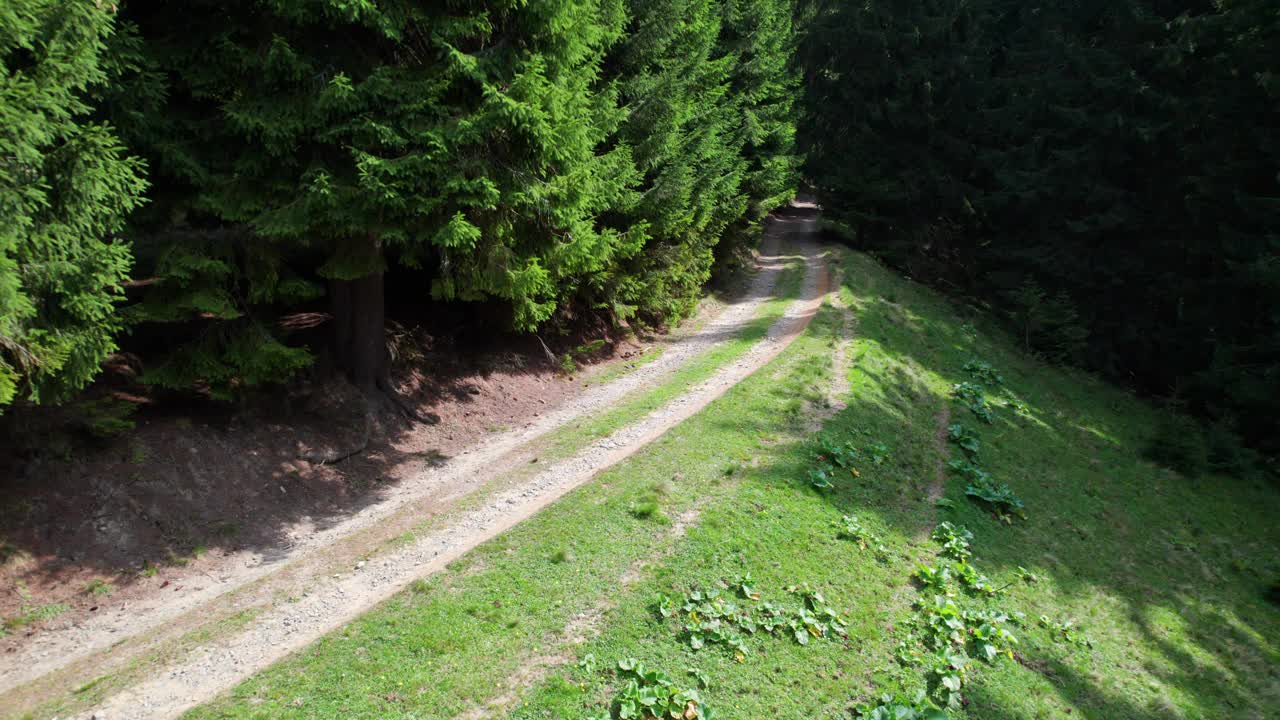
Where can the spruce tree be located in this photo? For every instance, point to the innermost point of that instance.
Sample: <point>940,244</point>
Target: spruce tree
<point>66,185</point>
<point>460,139</point>
<point>759,38</point>
<point>674,83</point>
<point>708,88</point>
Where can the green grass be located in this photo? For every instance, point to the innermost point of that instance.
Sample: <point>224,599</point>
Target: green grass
<point>31,614</point>
<point>638,403</point>
<point>99,587</point>
<point>565,441</point>
<point>442,647</point>
<point>1163,574</point>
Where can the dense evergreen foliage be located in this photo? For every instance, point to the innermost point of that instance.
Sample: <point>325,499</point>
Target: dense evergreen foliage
<point>711,130</point>
<point>66,185</point>
<point>591,155</point>
<point>1103,173</point>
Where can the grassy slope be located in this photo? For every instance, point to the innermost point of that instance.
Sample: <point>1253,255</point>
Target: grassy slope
<point>1164,574</point>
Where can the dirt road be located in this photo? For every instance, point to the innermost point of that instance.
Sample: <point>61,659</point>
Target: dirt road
<point>323,600</point>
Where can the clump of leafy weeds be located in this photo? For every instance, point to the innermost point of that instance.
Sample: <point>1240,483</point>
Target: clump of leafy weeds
<point>653,695</point>
<point>967,470</point>
<point>1066,632</point>
<point>813,617</point>
<point>998,495</point>
<point>833,459</point>
<point>983,372</point>
<point>954,541</point>
<point>966,439</point>
<point>978,482</point>
<point>901,708</point>
<point>839,454</point>
<point>877,452</point>
<point>851,528</point>
<point>974,397</point>
<point>730,612</point>
<point>955,621</point>
<point>821,478</point>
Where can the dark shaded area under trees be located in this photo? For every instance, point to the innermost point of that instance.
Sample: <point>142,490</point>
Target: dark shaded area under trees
<point>1102,174</point>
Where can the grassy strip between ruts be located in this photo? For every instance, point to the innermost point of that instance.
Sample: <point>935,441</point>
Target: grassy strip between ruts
<point>731,287</point>
<point>557,444</point>
<point>565,441</point>
<point>617,369</point>
<point>1163,574</point>
<point>641,402</point>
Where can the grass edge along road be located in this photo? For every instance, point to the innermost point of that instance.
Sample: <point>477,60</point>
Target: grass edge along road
<point>1150,584</point>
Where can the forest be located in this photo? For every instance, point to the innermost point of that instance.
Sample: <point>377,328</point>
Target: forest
<point>1102,174</point>
<point>203,181</point>
<point>630,359</point>
<point>223,189</point>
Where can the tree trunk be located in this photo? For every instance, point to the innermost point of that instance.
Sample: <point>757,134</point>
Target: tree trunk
<point>359,324</point>
<point>368,333</point>
<point>360,350</point>
<point>340,307</point>
<point>360,339</point>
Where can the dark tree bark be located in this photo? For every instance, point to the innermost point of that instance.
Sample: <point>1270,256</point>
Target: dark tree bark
<point>368,361</point>
<point>360,337</point>
<point>340,308</point>
<point>360,352</point>
<point>359,324</point>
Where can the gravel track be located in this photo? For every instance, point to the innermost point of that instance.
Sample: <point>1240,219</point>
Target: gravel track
<point>333,601</point>
<point>167,616</point>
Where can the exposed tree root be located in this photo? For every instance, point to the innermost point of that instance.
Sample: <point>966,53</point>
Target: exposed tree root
<point>551,357</point>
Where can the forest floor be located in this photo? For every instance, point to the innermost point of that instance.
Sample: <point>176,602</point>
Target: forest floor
<point>538,591</point>
<point>470,487</point>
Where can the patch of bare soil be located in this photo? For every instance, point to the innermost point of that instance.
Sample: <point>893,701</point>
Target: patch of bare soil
<point>941,421</point>
<point>164,508</point>
<point>837,390</point>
